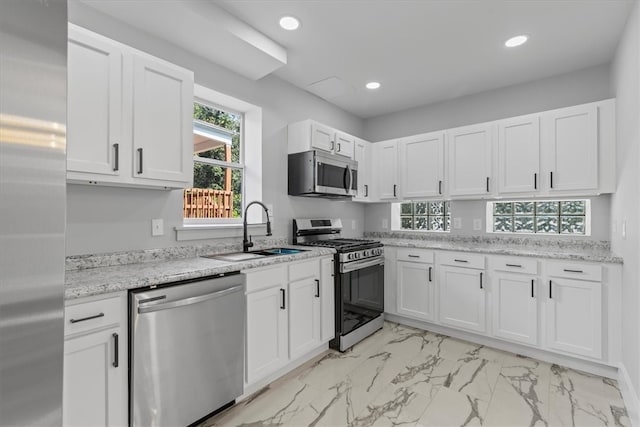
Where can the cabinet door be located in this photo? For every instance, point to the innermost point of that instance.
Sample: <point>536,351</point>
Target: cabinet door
<point>387,170</point>
<point>571,143</point>
<point>574,316</point>
<point>416,290</point>
<point>92,389</point>
<point>163,121</point>
<point>94,110</point>
<point>515,307</point>
<point>304,317</point>
<point>362,155</point>
<point>422,166</point>
<point>470,160</point>
<point>266,332</point>
<point>519,155</point>
<point>344,144</point>
<point>327,300</point>
<point>462,298</point>
<point>322,137</point>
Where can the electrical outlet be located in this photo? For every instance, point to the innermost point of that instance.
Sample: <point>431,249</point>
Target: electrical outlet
<point>157,227</point>
<point>385,223</point>
<point>477,224</point>
<point>457,223</point>
<point>354,224</point>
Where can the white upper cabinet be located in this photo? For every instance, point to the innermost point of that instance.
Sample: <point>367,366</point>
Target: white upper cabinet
<point>130,116</point>
<point>95,86</point>
<point>519,155</point>
<point>387,170</point>
<point>571,136</point>
<point>422,166</point>
<point>163,120</point>
<point>470,166</point>
<point>362,155</point>
<point>311,135</point>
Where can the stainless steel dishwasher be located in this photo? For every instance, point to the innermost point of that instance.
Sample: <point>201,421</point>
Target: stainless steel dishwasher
<point>187,350</point>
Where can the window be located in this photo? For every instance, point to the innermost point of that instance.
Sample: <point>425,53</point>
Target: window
<point>425,216</point>
<point>217,165</point>
<point>540,217</point>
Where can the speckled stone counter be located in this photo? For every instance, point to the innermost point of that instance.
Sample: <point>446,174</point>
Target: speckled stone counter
<point>129,270</point>
<point>565,249</point>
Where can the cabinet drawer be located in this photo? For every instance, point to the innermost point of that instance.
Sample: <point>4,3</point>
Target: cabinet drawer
<point>304,269</point>
<point>415,255</point>
<point>265,278</point>
<point>574,271</point>
<point>87,316</point>
<point>514,265</point>
<point>461,259</point>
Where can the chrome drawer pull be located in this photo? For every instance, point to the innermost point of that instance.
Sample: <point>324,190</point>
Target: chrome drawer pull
<point>86,318</point>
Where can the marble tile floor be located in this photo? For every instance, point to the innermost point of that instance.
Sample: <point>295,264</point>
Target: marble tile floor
<point>402,376</point>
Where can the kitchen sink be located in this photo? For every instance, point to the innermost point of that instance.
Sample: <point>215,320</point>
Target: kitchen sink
<point>246,256</point>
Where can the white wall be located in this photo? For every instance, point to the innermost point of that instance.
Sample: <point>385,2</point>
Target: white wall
<point>624,207</point>
<point>103,219</point>
<point>591,84</point>
<point>468,210</point>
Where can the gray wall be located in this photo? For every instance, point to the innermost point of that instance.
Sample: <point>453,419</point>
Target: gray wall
<point>468,210</point>
<point>591,84</point>
<point>103,219</point>
<point>624,206</point>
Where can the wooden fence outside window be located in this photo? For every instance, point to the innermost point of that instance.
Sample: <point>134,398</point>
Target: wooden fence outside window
<point>207,203</point>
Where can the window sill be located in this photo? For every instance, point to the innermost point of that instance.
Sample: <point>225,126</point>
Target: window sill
<point>212,231</point>
<point>513,234</point>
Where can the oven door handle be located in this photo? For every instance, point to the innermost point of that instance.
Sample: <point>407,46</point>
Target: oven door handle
<point>358,265</point>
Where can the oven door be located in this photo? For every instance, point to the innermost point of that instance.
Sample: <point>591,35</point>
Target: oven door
<point>361,294</point>
<point>335,176</point>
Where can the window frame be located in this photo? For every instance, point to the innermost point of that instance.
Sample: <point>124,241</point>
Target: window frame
<point>251,160</point>
<point>396,214</point>
<point>489,218</point>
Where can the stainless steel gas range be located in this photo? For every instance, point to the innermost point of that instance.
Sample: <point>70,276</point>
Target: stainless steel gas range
<point>359,278</point>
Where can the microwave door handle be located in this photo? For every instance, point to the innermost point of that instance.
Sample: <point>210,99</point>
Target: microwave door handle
<point>348,187</point>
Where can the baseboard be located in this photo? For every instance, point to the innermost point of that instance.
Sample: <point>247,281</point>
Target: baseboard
<point>629,395</point>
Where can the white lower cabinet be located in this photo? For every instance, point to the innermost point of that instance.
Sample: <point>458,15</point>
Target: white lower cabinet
<point>515,307</point>
<point>95,388</point>
<point>415,281</point>
<point>290,313</point>
<point>574,316</point>
<point>462,298</point>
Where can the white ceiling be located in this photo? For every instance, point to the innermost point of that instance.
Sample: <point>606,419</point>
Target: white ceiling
<point>422,51</point>
<point>427,51</point>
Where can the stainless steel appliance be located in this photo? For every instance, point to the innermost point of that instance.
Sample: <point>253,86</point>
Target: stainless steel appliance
<point>187,350</point>
<point>318,174</point>
<point>359,278</point>
<point>33,108</point>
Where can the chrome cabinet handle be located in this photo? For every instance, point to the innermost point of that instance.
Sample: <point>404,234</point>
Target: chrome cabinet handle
<point>317,288</point>
<point>86,318</point>
<point>116,157</point>
<point>338,147</point>
<point>115,350</point>
<point>283,304</point>
<point>366,190</point>
<point>333,145</point>
<point>140,160</point>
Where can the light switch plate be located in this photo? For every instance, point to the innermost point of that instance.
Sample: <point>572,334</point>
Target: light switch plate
<point>385,223</point>
<point>477,224</point>
<point>157,227</point>
<point>457,223</point>
<point>354,224</point>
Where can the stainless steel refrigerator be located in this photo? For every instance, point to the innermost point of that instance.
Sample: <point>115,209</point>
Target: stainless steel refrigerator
<point>33,105</point>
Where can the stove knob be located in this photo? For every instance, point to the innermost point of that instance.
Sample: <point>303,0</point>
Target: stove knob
<point>349,256</point>
<point>365,253</point>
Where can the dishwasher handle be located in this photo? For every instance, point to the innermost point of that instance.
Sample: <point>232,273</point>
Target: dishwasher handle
<point>190,300</point>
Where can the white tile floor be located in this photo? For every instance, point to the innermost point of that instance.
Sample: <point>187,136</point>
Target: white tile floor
<point>402,376</point>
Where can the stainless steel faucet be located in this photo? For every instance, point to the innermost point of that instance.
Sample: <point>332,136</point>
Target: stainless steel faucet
<point>246,241</point>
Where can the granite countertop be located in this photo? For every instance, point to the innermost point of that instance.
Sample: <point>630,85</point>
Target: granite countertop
<point>114,277</point>
<point>574,250</point>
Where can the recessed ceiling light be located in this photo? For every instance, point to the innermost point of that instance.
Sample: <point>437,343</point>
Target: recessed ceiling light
<point>373,85</point>
<point>289,23</point>
<point>516,41</point>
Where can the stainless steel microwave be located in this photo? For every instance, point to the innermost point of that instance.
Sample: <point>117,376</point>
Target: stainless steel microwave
<point>318,174</point>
